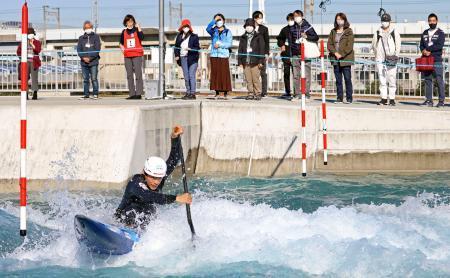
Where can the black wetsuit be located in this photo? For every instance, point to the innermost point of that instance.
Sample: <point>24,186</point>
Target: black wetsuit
<point>138,201</point>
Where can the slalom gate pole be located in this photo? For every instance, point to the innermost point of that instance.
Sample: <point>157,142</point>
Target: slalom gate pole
<point>303,111</point>
<point>23,121</point>
<point>324,104</point>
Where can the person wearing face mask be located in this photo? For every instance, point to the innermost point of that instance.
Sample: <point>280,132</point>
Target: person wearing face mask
<point>340,46</point>
<point>284,41</point>
<point>221,42</point>
<point>88,49</point>
<point>34,62</point>
<point>301,30</point>
<point>258,17</point>
<point>251,58</point>
<point>431,44</point>
<point>386,43</point>
<point>131,45</point>
<point>186,54</point>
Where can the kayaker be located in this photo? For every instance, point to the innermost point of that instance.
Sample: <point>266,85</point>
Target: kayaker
<point>144,190</point>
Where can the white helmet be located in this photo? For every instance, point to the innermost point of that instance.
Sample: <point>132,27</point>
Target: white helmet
<point>155,167</point>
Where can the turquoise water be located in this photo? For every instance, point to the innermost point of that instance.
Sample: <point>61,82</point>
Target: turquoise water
<point>358,226</point>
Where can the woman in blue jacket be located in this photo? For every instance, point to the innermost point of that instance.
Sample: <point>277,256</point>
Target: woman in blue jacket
<point>186,54</point>
<point>221,42</point>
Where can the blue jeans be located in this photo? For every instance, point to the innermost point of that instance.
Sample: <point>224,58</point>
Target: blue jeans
<point>90,73</point>
<point>189,73</point>
<point>438,73</point>
<point>347,73</point>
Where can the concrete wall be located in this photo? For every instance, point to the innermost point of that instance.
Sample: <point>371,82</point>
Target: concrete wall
<point>264,139</point>
<point>106,144</point>
<point>82,144</point>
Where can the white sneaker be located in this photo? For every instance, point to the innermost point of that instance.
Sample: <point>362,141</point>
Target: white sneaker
<point>83,98</point>
<point>94,97</point>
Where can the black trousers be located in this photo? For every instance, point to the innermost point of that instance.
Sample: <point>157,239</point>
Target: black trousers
<point>287,67</point>
<point>263,80</point>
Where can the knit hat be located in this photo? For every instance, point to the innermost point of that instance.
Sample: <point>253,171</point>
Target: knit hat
<point>386,18</point>
<point>249,22</point>
<point>185,22</point>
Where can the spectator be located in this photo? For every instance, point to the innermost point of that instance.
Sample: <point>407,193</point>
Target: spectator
<point>34,62</point>
<point>221,42</point>
<point>258,17</point>
<point>431,44</point>
<point>252,44</point>
<point>131,45</point>
<point>187,55</point>
<point>340,46</point>
<point>284,41</point>
<point>89,51</point>
<point>301,29</point>
<point>386,43</point>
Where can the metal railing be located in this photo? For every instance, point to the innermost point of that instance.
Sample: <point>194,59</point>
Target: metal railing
<point>61,72</point>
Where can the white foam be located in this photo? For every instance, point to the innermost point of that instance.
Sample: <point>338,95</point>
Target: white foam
<point>362,240</point>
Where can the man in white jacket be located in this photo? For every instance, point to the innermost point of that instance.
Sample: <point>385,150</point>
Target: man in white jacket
<point>386,42</point>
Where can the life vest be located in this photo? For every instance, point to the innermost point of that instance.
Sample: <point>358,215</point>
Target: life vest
<point>132,45</point>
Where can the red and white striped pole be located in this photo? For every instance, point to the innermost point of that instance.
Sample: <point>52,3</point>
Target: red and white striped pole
<point>23,121</point>
<point>324,104</point>
<point>303,89</point>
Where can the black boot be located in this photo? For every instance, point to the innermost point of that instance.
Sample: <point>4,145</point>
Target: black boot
<point>35,95</point>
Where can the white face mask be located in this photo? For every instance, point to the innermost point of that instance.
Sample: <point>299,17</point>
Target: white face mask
<point>259,21</point>
<point>340,22</point>
<point>249,29</point>
<point>30,36</point>
<point>219,23</point>
<point>186,30</point>
<point>291,23</point>
<point>88,31</point>
<point>298,19</point>
<point>385,24</point>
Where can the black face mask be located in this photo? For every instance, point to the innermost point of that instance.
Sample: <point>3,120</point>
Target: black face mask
<point>433,26</point>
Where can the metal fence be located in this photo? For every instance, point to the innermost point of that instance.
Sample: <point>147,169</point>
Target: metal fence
<point>61,72</point>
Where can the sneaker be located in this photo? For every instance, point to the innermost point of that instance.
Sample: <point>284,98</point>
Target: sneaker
<point>349,101</point>
<point>428,103</point>
<point>383,101</point>
<point>258,97</point>
<point>84,97</point>
<point>192,96</point>
<point>339,101</point>
<point>392,102</point>
<point>95,97</point>
<point>286,96</point>
<point>440,104</point>
<point>185,97</point>
<point>249,98</point>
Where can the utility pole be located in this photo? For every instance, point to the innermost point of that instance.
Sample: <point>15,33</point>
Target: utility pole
<point>161,81</point>
<point>261,7</point>
<point>175,11</point>
<point>95,14</point>
<point>50,13</point>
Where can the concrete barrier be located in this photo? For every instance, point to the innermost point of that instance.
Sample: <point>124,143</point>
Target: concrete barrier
<point>103,144</point>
